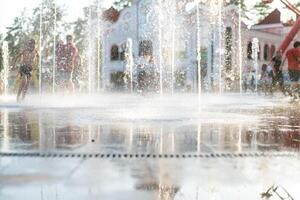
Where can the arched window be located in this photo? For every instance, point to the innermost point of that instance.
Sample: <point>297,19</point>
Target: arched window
<point>114,53</point>
<point>273,49</point>
<point>122,55</point>
<point>123,52</point>
<point>266,52</point>
<point>145,48</point>
<point>249,50</point>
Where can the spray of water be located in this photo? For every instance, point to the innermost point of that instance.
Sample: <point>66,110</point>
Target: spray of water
<point>199,54</point>
<point>240,48</point>
<point>173,15</point>
<point>94,47</point>
<point>4,73</point>
<point>54,49</point>
<point>91,46</point>
<point>40,47</point>
<point>165,64</point>
<point>159,51</point>
<point>98,46</point>
<point>220,50</point>
<point>255,49</point>
<point>129,63</point>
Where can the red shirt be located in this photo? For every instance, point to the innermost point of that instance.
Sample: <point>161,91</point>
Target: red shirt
<point>70,54</point>
<point>292,56</point>
<point>60,59</point>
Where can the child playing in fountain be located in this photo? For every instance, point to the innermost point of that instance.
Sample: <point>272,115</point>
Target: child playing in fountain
<point>60,63</point>
<point>277,77</point>
<point>293,57</point>
<point>28,59</point>
<point>66,60</point>
<point>266,78</point>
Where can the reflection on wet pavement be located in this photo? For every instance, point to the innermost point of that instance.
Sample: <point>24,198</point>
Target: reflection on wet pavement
<point>31,130</point>
<point>80,131</point>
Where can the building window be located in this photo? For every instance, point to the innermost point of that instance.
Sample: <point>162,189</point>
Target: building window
<point>114,53</point>
<point>249,50</point>
<point>122,55</point>
<point>273,49</point>
<point>266,52</point>
<point>145,48</point>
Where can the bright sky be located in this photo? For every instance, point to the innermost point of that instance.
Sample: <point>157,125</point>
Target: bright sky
<point>286,14</point>
<point>9,9</point>
<point>12,8</point>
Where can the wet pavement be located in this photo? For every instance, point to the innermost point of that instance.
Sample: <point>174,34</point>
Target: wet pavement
<point>124,147</point>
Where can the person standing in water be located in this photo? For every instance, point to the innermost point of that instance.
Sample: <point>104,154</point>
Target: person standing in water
<point>70,56</point>
<point>266,78</point>
<point>60,63</point>
<point>293,57</point>
<point>277,78</point>
<point>28,60</point>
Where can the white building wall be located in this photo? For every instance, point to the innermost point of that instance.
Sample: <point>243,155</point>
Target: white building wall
<point>141,22</point>
<point>117,34</point>
<point>264,39</point>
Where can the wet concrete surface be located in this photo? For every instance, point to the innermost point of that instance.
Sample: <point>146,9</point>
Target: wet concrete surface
<point>233,150</point>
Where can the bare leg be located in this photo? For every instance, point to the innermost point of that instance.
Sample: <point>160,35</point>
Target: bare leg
<point>69,83</point>
<point>61,86</point>
<point>65,86</point>
<point>294,89</point>
<point>21,87</point>
<point>26,87</point>
<point>70,86</point>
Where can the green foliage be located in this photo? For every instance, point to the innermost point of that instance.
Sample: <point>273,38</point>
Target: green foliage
<point>17,34</point>
<point>237,2</point>
<point>27,26</point>
<point>120,4</point>
<point>261,9</point>
<point>79,32</point>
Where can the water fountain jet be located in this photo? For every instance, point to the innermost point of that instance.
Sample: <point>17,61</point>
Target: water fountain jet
<point>129,63</point>
<point>5,71</point>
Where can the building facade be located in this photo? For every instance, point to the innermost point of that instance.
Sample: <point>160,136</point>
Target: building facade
<point>175,37</point>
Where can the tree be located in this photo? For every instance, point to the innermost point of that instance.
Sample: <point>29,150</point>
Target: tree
<point>244,9</point>
<point>261,9</point>
<point>80,39</point>
<point>120,4</point>
<point>237,2</point>
<point>27,26</point>
<point>17,34</point>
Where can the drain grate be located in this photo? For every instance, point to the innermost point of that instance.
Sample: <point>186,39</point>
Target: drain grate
<point>145,156</point>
